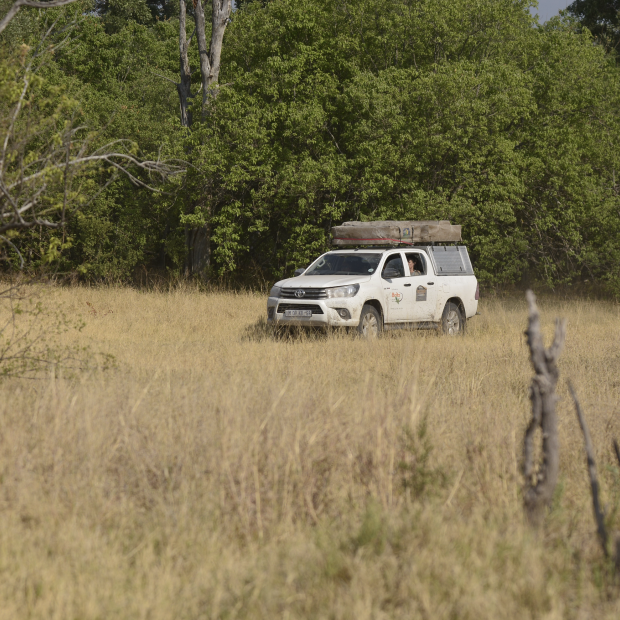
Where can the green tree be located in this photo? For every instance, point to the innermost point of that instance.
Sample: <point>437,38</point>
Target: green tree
<point>601,17</point>
<point>329,110</point>
<point>411,110</point>
<point>116,13</point>
<point>65,150</point>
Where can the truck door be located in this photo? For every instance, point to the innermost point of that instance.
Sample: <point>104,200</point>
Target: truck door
<point>397,289</point>
<point>423,287</point>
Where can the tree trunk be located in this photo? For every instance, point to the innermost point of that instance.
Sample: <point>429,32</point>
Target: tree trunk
<point>210,62</point>
<point>205,65</point>
<point>198,239</point>
<point>184,87</point>
<point>221,15</point>
<point>537,495</point>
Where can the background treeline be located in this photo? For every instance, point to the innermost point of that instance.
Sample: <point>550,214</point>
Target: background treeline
<point>330,110</point>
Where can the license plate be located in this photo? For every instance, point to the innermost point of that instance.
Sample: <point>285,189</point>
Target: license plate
<point>298,313</point>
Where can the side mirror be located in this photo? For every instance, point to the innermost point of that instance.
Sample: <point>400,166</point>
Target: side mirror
<point>299,271</point>
<point>390,273</point>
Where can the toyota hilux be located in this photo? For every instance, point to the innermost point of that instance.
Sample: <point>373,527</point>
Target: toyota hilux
<point>371,289</point>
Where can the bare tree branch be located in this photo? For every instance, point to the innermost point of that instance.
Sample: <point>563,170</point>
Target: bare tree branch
<point>13,219</point>
<point>9,242</point>
<point>161,168</point>
<point>37,5</point>
<point>17,110</point>
<point>598,513</point>
<point>163,77</point>
<point>537,495</point>
<point>40,164</point>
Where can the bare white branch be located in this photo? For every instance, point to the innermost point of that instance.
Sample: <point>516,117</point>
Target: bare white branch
<point>42,166</point>
<point>163,77</point>
<point>12,12</point>
<point>162,169</point>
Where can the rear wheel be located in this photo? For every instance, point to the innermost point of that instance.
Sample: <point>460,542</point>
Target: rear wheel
<point>452,320</point>
<point>370,324</point>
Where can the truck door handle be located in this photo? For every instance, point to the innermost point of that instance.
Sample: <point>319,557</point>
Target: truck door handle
<point>407,284</point>
<point>430,283</point>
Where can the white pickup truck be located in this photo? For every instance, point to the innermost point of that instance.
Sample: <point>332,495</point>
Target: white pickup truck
<point>374,289</point>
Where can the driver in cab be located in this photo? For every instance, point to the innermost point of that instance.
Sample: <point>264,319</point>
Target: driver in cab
<point>412,268</point>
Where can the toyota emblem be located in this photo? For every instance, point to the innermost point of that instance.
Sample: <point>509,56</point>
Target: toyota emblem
<point>299,293</point>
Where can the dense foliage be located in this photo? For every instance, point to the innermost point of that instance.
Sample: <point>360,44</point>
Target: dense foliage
<point>601,18</point>
<point>330,110</point>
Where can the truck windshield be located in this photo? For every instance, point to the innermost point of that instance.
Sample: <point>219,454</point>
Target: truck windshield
<point>345,265</point>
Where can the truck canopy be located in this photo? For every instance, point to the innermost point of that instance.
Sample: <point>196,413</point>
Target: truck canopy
<point>450,260</point>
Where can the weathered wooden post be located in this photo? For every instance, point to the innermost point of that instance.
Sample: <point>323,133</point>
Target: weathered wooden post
<point>538,492</point>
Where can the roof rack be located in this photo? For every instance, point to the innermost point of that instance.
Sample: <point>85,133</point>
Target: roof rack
<point>392,232</point>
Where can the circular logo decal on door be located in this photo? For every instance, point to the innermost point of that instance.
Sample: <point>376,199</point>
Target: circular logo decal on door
<point>397,297</point>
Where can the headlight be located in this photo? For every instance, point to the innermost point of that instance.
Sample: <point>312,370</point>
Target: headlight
<point>275,291</point>
<point>343,291</point>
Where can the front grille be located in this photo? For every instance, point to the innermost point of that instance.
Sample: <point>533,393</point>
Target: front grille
<point>309,293</point>
<point>315,309</point>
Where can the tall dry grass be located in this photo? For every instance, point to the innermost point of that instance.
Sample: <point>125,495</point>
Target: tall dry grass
<point>218,472</point>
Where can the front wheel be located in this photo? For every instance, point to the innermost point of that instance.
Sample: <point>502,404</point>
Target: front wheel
<point>370,324</point>
<point>452,320</point>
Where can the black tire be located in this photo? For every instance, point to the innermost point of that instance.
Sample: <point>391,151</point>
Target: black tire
<point>452,320</point>
<point>370,325</point>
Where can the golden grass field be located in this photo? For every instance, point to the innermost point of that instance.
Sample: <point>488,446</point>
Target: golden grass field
<point>218,472</point>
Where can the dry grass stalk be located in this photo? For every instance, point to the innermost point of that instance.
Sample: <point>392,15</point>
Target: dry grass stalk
<point>538,495</point>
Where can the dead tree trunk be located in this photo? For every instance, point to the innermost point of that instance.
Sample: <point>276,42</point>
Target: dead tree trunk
<point>197,238</point>
<point>538,493</point>
<point>219,20</point>
<point>210,61</point>
<point>184,86</point>
<point>205,65</point>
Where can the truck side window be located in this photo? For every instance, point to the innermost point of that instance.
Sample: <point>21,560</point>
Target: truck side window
<point>393,265</point>
<point>419,264</point>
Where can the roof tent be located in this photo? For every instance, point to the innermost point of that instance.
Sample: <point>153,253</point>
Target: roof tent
<point>394,233</point>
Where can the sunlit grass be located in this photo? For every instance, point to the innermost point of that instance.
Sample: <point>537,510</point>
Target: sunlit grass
<point>218,472</point>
